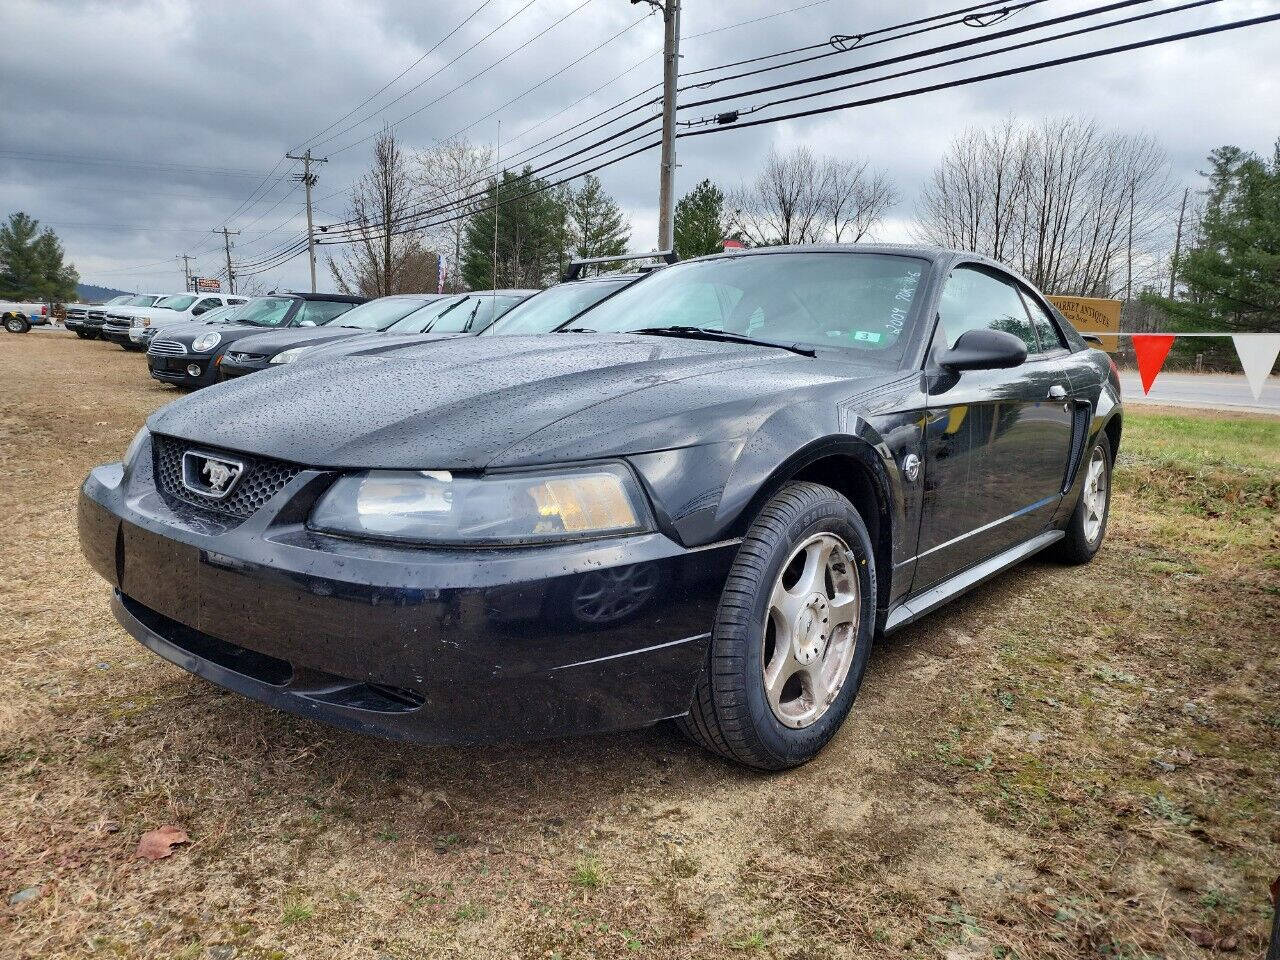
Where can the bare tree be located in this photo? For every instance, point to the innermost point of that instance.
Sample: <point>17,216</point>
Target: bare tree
<point>385,257</point>
<point>854,198</point>
<point>448,173</point>
<point>798,197</point>
<point>784,203</point>
<point>1076,208</point>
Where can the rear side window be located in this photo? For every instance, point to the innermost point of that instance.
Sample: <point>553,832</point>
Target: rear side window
<point>974,299</point>
<point>322,311</point>
<point>1046,329</point>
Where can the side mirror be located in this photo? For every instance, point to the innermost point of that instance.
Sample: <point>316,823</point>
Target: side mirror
<point>984,350</point>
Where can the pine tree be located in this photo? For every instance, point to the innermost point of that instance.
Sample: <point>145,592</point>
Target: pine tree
<point>531,235</point>
<point>31,263</point>
<point>1231,272</point>
<point>700,226</point>
<point>596,226</point>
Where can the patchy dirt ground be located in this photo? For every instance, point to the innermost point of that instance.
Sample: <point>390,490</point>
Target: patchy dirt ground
<point>1068,763</point>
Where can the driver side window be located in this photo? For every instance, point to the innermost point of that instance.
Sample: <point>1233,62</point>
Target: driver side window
<point>974,299</point>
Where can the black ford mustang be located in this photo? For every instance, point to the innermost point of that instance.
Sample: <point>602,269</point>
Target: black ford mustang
<point>705,506</point>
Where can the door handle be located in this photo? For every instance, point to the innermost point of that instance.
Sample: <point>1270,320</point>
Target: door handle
<point>1057,392</point>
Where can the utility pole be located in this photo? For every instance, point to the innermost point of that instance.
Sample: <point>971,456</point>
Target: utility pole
<point>186,259</point>
<point>308,180</point>
<point>670,78</point>
<point>1177,242</point>
<point>226,242</point>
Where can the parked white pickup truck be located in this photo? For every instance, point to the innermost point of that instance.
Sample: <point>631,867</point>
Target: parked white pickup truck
<point>21,317</point>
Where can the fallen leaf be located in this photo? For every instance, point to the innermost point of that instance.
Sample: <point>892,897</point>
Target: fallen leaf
<point>158,844</point>
<point>1229,944</point>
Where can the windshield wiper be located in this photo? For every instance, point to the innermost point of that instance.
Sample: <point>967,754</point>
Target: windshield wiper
<point>575,330</point>
<point>728,336</point>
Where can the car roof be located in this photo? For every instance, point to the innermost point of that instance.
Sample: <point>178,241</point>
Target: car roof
<point>505,292</point>
<point>600,277</point>
<point>336,297</point>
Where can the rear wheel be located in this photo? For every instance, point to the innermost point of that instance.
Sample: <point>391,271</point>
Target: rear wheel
<point>82,335</point>
<point>1088,524</point>
<point>792,634</point>
<point>16,324</point>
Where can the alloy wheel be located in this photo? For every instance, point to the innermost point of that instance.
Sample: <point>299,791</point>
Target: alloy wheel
<point>811,630</point>
<point>1095,495</point>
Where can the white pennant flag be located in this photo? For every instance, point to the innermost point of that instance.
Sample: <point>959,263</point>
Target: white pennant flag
<point>1258,352</point>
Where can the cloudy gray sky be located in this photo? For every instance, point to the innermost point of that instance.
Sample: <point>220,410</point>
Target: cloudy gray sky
<point>134,129</point>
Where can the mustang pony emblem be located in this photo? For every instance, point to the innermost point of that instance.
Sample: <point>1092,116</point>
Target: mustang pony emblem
<point>210,475</point>
<point>219,474</point>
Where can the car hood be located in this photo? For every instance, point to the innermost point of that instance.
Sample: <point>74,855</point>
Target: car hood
<point>475,402</point>
<point>187,333</point>
<point>272,342</point>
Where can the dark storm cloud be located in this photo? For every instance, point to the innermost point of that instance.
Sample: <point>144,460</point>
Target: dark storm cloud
<point>204,98</point>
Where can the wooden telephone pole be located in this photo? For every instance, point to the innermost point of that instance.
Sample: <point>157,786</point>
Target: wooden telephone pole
<point>308,180</point>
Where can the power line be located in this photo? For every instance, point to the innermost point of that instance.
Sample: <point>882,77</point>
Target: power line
<point>469,80</point>
<point>730,117</point>
<point>418,86</point>
<point>397,77</point>
<point>120,162</point>
<point>941,48</point>
<point>964,14</point>
<point>1109,51</point>
<point>995,75</point>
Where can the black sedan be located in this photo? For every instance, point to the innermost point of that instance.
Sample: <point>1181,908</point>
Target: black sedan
<point>707,510</point>
<point>189,358</point>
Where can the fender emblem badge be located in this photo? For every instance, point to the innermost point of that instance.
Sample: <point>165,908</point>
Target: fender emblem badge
<point>911,466</point>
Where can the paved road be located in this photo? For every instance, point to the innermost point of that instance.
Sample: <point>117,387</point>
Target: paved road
<point>1215,391</point>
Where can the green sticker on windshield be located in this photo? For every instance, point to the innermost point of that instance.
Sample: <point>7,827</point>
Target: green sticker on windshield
<point>866,336</point>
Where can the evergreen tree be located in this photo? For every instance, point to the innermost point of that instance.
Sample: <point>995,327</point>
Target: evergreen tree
<point>596,227</point>
<point>1231,272</point>
<point>531,234</point>
<point>700,226</point>
<point>31,263</point>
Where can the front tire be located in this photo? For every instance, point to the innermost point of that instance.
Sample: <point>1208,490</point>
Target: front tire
<point>1088,525</point>
<point>792,633</point>
<point>15,324</point>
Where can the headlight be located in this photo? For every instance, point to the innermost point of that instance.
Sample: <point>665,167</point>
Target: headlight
<point>206,341</point>
<point>433,506</point>
<point>135,445</point>
<point>288,356</point>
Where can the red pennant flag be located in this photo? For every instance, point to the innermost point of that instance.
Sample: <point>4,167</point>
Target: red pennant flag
<point>1151,349</point>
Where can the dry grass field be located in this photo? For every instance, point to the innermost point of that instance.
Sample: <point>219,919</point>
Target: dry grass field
<point>1071,762</point>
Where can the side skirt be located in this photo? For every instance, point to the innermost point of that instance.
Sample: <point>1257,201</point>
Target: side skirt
<point>915,607</point>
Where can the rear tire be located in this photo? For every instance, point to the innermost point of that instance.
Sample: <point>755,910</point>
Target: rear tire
<point>792,633</point>
<point>1088,524</point>
<point>16,324</point>
<point>82,335</point>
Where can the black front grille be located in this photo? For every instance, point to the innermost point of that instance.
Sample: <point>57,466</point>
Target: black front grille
<point>262,479</point>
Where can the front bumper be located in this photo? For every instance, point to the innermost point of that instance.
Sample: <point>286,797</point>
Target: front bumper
<point>227,370</point>
<point>174,369</point>
<point>429,645</point>
<point>115,333</point>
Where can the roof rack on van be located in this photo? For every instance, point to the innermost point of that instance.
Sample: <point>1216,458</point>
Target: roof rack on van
<point>575,266</point>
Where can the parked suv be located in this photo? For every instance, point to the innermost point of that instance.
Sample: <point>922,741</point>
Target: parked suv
<point>178,308</point>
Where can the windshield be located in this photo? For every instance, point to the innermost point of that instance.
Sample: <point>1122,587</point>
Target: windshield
<point>266,311</point>
<point>416,321</point>
<point>143,301</point>
<point>116,301</point>
<point>545,311</point>
<point>175,303</point>
<point>472,313</point>
<point>855,301</point>
<point>382,313</point>
<point>221,314</point>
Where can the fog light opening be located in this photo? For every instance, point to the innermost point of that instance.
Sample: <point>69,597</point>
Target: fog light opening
<point>193,369</point>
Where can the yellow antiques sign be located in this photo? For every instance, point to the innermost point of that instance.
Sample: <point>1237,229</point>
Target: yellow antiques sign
<point>1092,315</point>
